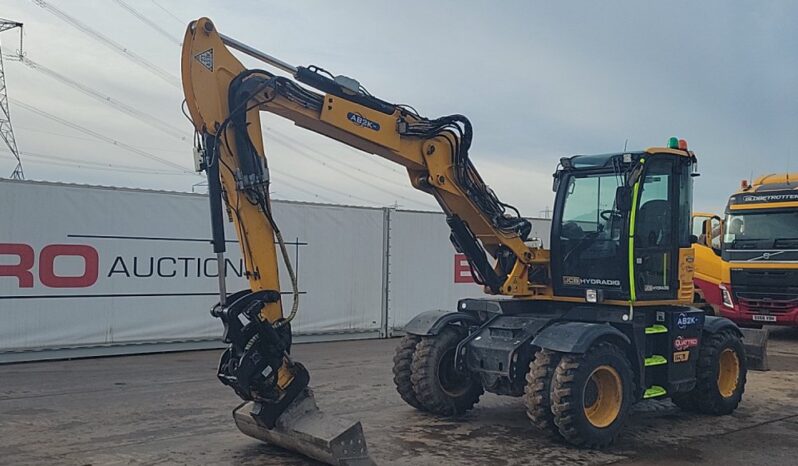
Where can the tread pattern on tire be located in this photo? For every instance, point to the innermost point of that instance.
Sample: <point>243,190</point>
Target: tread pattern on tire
<point>537,393</point>
<point>425,378</point>
<point>402,370</point>
<point>705,394</point>
<point>685,401</point>
<point>563,404</point>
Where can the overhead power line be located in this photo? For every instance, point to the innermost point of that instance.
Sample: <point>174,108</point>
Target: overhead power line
<point>350,175</point>
<point>143,117</point>
<point>279,135</point>
<point>100,164</point>
<point>101,137</point>
<point>82,138</point>
<point>300,189</point>
<point>332,190</point>
<point>110,43</point>
<point>148,22</point>
<point>87,164</point>
<point>172,15</point>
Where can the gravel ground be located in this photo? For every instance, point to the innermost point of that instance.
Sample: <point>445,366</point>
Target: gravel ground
<point>170,409</point>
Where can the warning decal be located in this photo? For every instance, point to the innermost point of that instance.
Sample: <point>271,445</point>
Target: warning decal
<point>206,58</point>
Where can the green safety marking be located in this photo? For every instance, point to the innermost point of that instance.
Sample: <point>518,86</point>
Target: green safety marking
<point>656,360</point>
<point>636,189</point>
<point>656,329</point>
<point>654,391</point>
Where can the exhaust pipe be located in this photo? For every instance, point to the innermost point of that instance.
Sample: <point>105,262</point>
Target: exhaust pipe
<point>303,428</point>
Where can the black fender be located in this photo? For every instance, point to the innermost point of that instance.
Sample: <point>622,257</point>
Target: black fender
<point>575,337</point>
<point>431,322</point>
<point>715,324</point>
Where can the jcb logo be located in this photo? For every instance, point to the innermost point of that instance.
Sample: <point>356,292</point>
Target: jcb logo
<point>26,259</point>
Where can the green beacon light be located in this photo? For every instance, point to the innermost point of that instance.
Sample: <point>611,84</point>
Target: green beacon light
<point>673,143</point>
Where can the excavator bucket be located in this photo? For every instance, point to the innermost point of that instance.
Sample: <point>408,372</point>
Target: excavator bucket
<point>304,429</point>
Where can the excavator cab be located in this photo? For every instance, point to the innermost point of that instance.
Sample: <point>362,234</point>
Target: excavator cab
<point>620,223</point>
<point>617,327</point>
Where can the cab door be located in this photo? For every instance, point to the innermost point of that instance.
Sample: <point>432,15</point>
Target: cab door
<point>708,230</point>
<point>654,267</point>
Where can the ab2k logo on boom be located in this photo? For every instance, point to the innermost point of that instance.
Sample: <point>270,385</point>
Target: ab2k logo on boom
<point>23,262</point>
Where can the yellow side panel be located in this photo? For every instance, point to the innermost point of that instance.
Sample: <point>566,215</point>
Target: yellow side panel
<point>686,271</point>
<point>361,121</point>
<point>708,265</point>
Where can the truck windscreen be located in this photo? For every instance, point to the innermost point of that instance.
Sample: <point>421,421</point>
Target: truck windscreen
<point>763,230</point>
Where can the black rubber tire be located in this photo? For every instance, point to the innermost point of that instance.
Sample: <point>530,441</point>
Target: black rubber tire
<point>426,375</point>
<point>685,401</point>
<point>568,390</point>
<point>706,397</point>
<point>402,369</point>
<point>537,392</point>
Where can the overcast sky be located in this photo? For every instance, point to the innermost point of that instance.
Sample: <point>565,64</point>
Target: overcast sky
<point>539,81</point>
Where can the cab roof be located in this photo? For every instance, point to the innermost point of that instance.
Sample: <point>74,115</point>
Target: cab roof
<point>773,182</point>
<point>586,162</point>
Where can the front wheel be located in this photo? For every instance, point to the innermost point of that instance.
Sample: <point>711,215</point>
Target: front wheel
<point>403,369</point>
<point>537,393</point>
<point>439,387</point>
<point>720,375</point>
<point>591,395</point>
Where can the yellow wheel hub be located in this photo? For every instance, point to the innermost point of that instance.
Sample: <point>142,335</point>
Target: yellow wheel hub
<point>728,372</point>
<point>603,396</point>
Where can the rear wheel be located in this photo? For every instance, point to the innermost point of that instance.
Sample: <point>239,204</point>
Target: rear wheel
<point>402,369</point>
<point>591,394</point>
<point>537,393</point>
<point>439,387</point>
<point>720,375</point>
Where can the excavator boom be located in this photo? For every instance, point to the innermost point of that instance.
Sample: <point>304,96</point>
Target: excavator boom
<point>224,99</point>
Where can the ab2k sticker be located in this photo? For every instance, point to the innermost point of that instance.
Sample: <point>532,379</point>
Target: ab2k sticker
<point>685,321</point>
<point>360,120</point>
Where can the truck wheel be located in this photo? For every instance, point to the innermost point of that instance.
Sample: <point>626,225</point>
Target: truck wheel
<point>537,393</point>
<point>591,395</point>
<point>438,386</point>
<point>402,368</point>
<point>720,374</point>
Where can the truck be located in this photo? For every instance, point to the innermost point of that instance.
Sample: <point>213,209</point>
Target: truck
<point>746,264</point>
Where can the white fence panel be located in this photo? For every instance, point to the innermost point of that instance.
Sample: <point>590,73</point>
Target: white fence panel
<point>424,270</point>
<point>85,266</point>
<point>93,267</point>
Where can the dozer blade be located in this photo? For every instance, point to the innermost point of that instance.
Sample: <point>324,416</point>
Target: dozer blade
<point>303,428</point>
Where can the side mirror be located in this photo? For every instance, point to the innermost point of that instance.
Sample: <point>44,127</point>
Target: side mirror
<point>693,239</point>
<point>556,184</point>
<point>707,236</point>
<point>623,199</point>
<point>713,232</point>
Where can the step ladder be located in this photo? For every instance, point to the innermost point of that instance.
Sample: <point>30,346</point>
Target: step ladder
<point>655,391</point>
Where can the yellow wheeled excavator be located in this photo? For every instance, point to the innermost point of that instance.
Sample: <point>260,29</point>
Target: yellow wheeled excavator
<point>581,331</point>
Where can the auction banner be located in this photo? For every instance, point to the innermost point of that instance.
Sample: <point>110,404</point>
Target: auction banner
<point>97,267</point>
<point>85,266</point>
